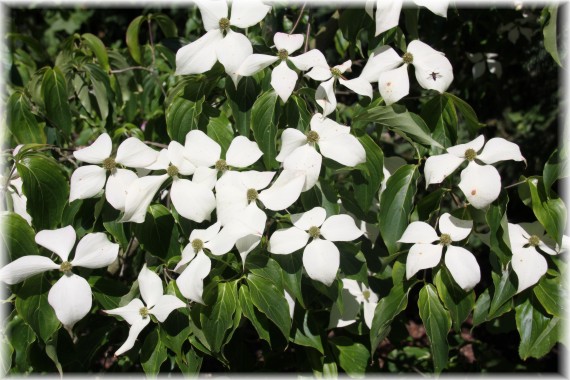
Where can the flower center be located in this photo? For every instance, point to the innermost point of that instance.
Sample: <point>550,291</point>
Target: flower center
<point>445,239</point>
<point>312,137</point>
<point>197,245</point>
<point>251,195</point>
<point>65,267</point>
<point>335,72</point>
<point>366,294</point>
<point>408,58</point>
<point>109,164</point>
<point>314,232</point>
<point>143,311</point>
<point>221,165</point>
<point>172,171</point>
<point>224,23</point>
<point>534,241</point>
<point>283,54</point>
<point>470,154</point>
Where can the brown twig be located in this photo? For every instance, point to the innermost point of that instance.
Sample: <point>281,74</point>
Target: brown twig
<point>298,19</point>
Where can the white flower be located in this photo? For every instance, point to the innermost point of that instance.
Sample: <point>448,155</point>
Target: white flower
<point>137,314</point>
<point>283,79</point>
<point>70,296</point>
<point>385,66</point>
<point>191,280</point>
<point>88,180</point>
<point>388,12</point>
<point>353,295</point>
<point>194,201</point>
<point>232,49</point>
<point>321,258</point>
<point>527,240</point>
<point>422,255</point>
<point>325,96</point>
<point>298,151</point>
<point>481,184</point>
<point>204,153</point>
<point>19,200</point>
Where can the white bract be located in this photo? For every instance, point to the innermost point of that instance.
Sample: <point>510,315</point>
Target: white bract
<point>388,12</point>
<point>283,79</point>
<point>298,151</point>
<point>325,96</point>
<point>321,258</point>
<point>527,240</point>
<point>19,200</point>
<point>137,314</point>
<point>87,181</point>
<point>423,254</point>
<point>481,184</point>
<point>194,201</point>
<point>353,295</point>
<point>70,296</point>
<point>385,66</point>
<point>230,49</point>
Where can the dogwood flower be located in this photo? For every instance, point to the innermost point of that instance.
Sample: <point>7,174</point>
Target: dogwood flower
<point>19,200</point>
<point>325,96</point>
<point>298,151</point>
<point>353,295</point>
<point>194,201</point>
<point>321,258</point>
<point>88,180</point>
<point>385,66</point>
<point>204,153</point>
<point>388,12</point>
<point>481,184</point>
<point>230,49</point>
<point>527,240</point>
<point>423,254</point>
<point>137,314</point>
<point>70,296</point>
<point>191,280</point>
<point>283,79</point>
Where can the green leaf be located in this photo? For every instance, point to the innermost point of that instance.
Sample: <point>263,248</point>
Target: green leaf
<point>437,323</point>
<point>217,317</point>
<point>547,292</point>
<point>101,89</point>
<point>306,332</point>
<point>550,33</point>
<point>98,48</point>
<point>220,130</point>
<point>456,300</point>
<point>440,116</point>
<point>296,113</point>
<point>133,38</point>
<point>352,357</point>
<point>496,218</point>
<point>257,319</point>
<point>21,122</point>
<point>270,300</point>
<point>396,204</point>
<point>17,237</point>
<point>241,101</point>
<point>174,331</point>
<point>182,116</point>
<point>158,233</point>
<point>481,309</point>
<point>21,336</point>
<point>107,292</point>
<point>387,309</point>
<point>505,289</point>
<point>550,212</point>
<point>54,95</point>
<point>467,112</point>
<point>45,187</point>
<point>367,182</point>
<point>153,354</point>
<point>538,332</point>
<point>429,204</point>
<point>555,168</point>
<point>166,24</point>
<point>32,305</point>
<point>264,117</point>
<point>406,124</point>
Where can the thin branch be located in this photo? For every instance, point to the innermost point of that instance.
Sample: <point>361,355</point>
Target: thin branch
<point>515,184</point>
<point>307,33</point>
<point>164,146</point>
<point>151,41</point>
<point>131,68</point>
<point>298,19</point>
